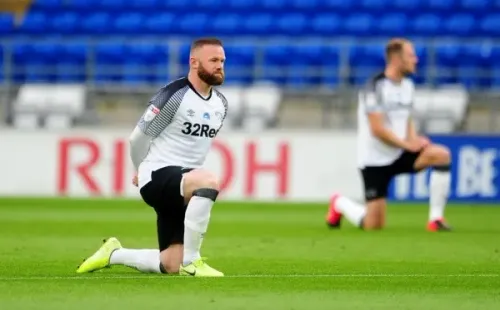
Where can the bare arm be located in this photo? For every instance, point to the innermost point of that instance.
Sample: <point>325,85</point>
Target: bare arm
<point>378,129</point>
<point>412,132</point>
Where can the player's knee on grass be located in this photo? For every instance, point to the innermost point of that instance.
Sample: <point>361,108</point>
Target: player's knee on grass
<point>375,215</point>
<point>171,259</point>
<point>434,156</point>
<point>200,180</point>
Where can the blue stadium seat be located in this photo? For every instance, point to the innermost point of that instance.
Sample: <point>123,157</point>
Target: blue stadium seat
<point>66,23</point>
<point>225,23</point>
<point>109,60</point>
<point>89,5</point>
<point>240,61</point>
<point>71,63</point>
<point>326,24</point>
<point>96,23</point>
<point>420,77</point>
<point>274,5</point>
<point>259,24</point>
<point>427,24</point>
<point>194,24</point>
<point>365,61</point>
<point>460,25</point>
<point>34,23</point>
<point>374,6</point>
<point>306,5</point>
<point>276,61</point>
<point>208,5</point>
<point>473,67</point>
<point>2,77</point>
<point>6,23</point>
<point>359,25</point>
<point>292,24</point>
<point>477,5</point>
<point>176,5</point>
<point>162,23</point>
<point>47,4</point>
<point>442,5</point>
<point>392,25</point>
<point>490,25</point>
<point>447,60</point>
<point>337,5</point>
<point>113,5</point>
<point>407,5</point>
<point>145,63</point>
<point>242,5</point>
<point>35,62</point>
<point>128,23</point>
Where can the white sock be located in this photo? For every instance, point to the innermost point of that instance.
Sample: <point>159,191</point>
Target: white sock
<point>146,260</point>
<point>195,226</point>
<point>440,188</point>
<point>353,211</point>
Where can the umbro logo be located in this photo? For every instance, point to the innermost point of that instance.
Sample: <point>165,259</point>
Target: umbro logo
<point>190,113</point>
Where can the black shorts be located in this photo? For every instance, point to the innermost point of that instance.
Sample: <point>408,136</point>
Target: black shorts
<point>376,179</point>
<point>163,194</point>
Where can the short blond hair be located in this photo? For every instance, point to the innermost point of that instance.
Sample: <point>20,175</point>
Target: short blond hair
<point>395,46</point>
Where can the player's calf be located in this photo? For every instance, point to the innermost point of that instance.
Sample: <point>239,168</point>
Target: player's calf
<point>171,259</point>
<point>437,157</point>
<point>200,189</point>
<point>375,215</point>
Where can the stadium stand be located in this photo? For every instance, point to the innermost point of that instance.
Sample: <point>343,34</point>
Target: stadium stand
<point>289,57</point>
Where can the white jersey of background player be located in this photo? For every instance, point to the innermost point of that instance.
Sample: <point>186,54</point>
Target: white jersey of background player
<point>168,147</point>
<point>388,145</point>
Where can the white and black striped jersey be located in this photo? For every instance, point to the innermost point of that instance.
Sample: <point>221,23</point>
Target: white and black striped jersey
<point>177,129</point>
<point>395,101</point>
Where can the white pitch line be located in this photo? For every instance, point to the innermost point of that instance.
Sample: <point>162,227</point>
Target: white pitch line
<point>277,276</point>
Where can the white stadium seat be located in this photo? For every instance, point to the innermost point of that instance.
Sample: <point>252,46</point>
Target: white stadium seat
<point>57,105</point>
<point>261,102</point>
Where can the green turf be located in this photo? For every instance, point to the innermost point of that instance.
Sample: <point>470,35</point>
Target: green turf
<point>276,256</point>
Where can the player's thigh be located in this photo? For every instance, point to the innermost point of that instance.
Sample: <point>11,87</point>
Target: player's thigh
<point>163,194</point>
<point>432,156</point>
<point>198,179</point>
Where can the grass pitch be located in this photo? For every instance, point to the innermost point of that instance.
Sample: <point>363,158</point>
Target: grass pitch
<point>276,256</point>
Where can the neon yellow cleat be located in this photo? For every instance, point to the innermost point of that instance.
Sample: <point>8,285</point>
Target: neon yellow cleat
<point>100,259</point>
<point>199,268</point>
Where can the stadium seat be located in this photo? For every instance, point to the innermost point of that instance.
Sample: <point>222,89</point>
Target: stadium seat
<point>2,77</point>
<point>242,5</point>
<point>490,25</point>
<point>34,23</point>
<point>292,24</point>
<point>426,25</point>
<point>259,24</point>
<point>87,5</point>
<point>46,4</point>
<point>476,5</point>
<point>460,25</point>
<point>442,5</point>
<point>109,60</point>
<point>407,5</point>
<point>96,23</point>
<point>359,25</point>
<point>240,61</point>
<point>194,24</point>
<point>305,5</point>
<point>128,23</point>
<point>261,104</point>
<point>326,24</point>
<point>35,63</point>
<point>227,24</point>
<point>6,23</point>
<point>72,60</point>
<point>162,23</point>
<point>392,25</point>
<point>66,23</point>
<point>337,5</point>
<point>447,59</point>
<point>365,61</point>
<point>276,61</point>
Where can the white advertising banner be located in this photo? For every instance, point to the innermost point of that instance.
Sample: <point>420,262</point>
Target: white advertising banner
<point>284,165</point>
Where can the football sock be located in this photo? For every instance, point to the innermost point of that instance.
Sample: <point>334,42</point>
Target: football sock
<point>440,188</point>
<point>146,260</point>
<point>353,211</point>
<point>196,222</point>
